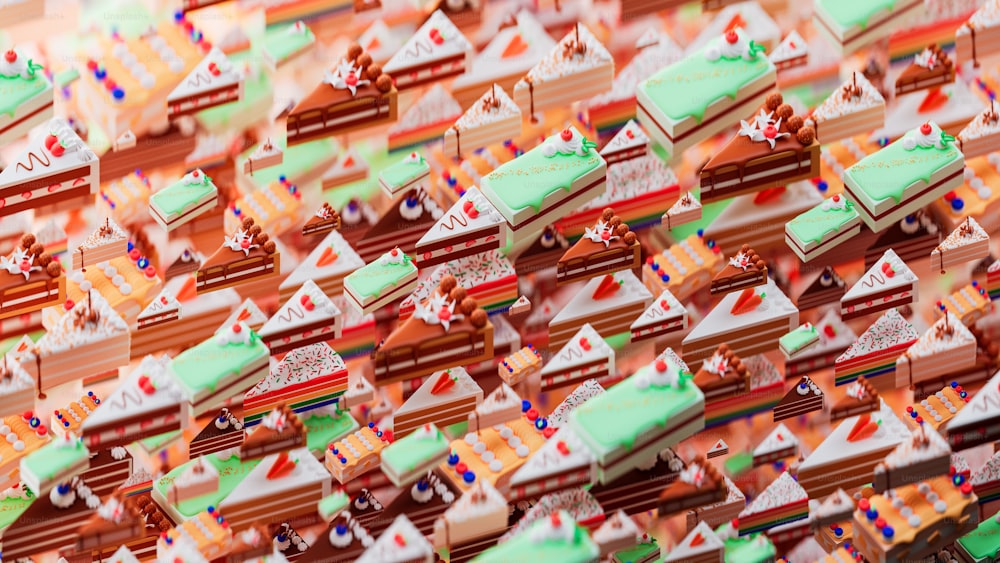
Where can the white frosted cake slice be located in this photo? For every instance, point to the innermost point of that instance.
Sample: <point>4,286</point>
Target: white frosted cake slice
<point>248,312</point>
<point>629,142</point>
<point>966,243</point>
<point>982,135</point>
<point>563,462</point>
<point>700,545</point>
<point>586,390</point>
<point>888,283</point>
<point>609,303</point>
<point>471,226</point>
<point>947,347</point>
<point>307,317</point>
<point>502,405</point>
<point>979,422</point>
<point>437,50</point>
<point>213,82</point>
<point>492,119</point>
<point>793,51</point>
<point>586,356</point>
<point>665,316</point>
<point>852,109</point>
<point>327,265</point>
<point>164,308</point>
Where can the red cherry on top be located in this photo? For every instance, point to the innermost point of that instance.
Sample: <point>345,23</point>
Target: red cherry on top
<point>566,135</point>
<point>925,129</point>
<point>351,79</point>
<point>732,37</point>
<point>237,328</point>
<point>10,56</point>
<point>630,134</point>
<point>836,198</point>
<point>394,252</point>
<point>25,265</point>
<point>770,132</point>
<point>245,243</point>
<point>661,365</point>
<point>214,69</point>
<point>68,304</point>
<point>57,150</point>
<point>444,314</point>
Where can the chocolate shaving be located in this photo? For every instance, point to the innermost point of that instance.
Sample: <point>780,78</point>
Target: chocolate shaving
<point>573,45</point>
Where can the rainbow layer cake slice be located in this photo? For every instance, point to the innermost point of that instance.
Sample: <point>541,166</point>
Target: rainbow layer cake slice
<point>355,454</point>
<point>885,193</point>
<point>586,356</point>
<point>986,481</point>
<point>213,82</point>
<point>931,68</point>
<point>146,403</point>
<point>327,265</point>
<point>17,389</point>
<point>888,283</point>
<point>772,149</point>
<point>90,339</point>
<point>946,347</point>
<point>437,50</point>
<point>445,398</point>
<point>281,430</point>
<point>966,243</point>
<point>54,463</point>
<point>852,109</point>
<point>308,317</point>
<point>389,278</point>
<point>555,536</point>
<point>288,483</point>
<point>875,352</point>
<point>566,172</point>
<point>918,515</point>
<point>731,74</point>
<point>781,443</point>
<point>683,269</point>
<point>471,226</point>
<point>447,329</point>
<point>979,422</point>
<point>608,246</point>
<point>805,397</point>
<point>832,222</point>
<point>666,315</point>
<point>183,201</point>
<point>104,243</point>
<point>488,277</point>
<point>409,458</point>
<point>404,175</point>
<point>698,484</point>
<point>493,119</point>
<point>685,210</point>
<point>924,454</point>
<point>701,545</point>
<point>425,121</point>
<point>563,462</point>
<point>783,501</point>
<point>664,406</point>
<point>609,303</point>
<point>750,322</point>
<point>982,135</point>
<point>29,98</point>
<point>230,362</point>
<point>848,455</point>
<point>308,378</point>
<point>853,25</point>
<point>578,67</point>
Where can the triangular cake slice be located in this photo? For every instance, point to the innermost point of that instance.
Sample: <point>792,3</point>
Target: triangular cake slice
<point>280,431</point>
<point>888,283</point>
<point>793,51</point>
<point>586,356</point>
<point>215,81</point>
<point>982,135</point>
<point>829,287</point>
<point>804,398</point>
<point>781,443</point>
<point>349,167</point>
<point>687,209</point>
<point>266,155</point>
<point>471,226</point>
<point>492,119</point>
<point>783,501</point>
<point>618,532</point>
<point>164,308</point>
<point>859,398</point>
<point>308,317</point>
<point>979,422</point>
<point>609,246</point>
<point>723,375</point>
<point>401,541</point>
<point>306,379</point>
<point>107,242</point>
<point>966,243</point>
<point>925,455</point>
<point>563,462</point>
<point>445,398</point>
<point>665,315</point>
<point>834,509</point>
<point>945,348</point>
<point>437,50</point>
<point>481,512</point>
<point>744,270</point>
<point>381,41</point>
<point>186,263</point>
<point>700,483</point>
<point>426,120</point>
<point>629,142</point>
<point>855,108</point>
<point>701,544</point>
<point>248,312</point>
<point>720,448</point>
<point>931,68</point>
<point>874,353</point>
<point>502,405</point>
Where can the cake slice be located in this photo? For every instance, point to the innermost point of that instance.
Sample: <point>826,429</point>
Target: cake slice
<point>327,266</point>
<point>308,378</point>
<point>29,100</point>
<point>284,43</point>
<point>308,317</point>
<point>609,303</point>
<point>887,284</point>
<point>700,483</point>
<point>280,430</point>
<point>30,279</point>
<point>410,458</point>
<point>325,219</point>
<point>607,247</point>
<point>389,278</point>
<point>198,478</point>
<point>875,352</point>
<point>247,255</point>
<point>406,174</point>
<point>744,270</point>
<point>793,51</point>
<point>618,532</point>
<point>966,243</point>
<point>686,210</point>
<point>832,510</point>
<point>783,501</point>
<point>348,168</point>
<point>798,341</point>
<point>186,263</point>
<point>859,398</point>
<point>17,389</point>
<point>931,68</point>
<point>265,155</point>
<point>822,228</point>
<point>563,462</point>
<point>445,398</point>
<point>54,463</point>
<point>982,135</point>
<point>979,422</point>
<point>183,201</point>
<point>828,287</point>
<point>437,50</point>
<point>855,108</point>
<point>212,83</point>
<point>426,120</point>
<point>586,356</point>
<point>666,315</point>
<point>471,226</point>
<point>781,443</point>
<point>248,312</point>
<point>923,456</point>
<point>722,375</point>
<point>493,119</point>
<point>557,536</point>
<point>701,545</point>
<point>946,347</point>
<point>107,242</point>
<point>804,398</point>
<point>936,410</point>
<point>629,142</point>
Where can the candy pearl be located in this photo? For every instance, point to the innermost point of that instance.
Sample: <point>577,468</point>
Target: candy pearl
<point>479,448</point>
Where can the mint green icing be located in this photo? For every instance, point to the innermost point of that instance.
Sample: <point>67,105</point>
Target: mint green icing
<point>751,548</point>
<point>281,43</point>
<point>231,472</point>
<point>332,504</point>
<point>154,443</point>
<point>525,547</point>
<point>414,450</point>
<point>209,363</point>
<point>54,458</point>
<point>688,87</point>
<point>375,278</point>
<point>638,553</point>
<point>530,178</point>
<point>816,223</point>
<point>12,508</point>
<point>850,13</point>
<point>798,338</point>
<point>617,418</point>
<point>297,160</point>
<point>403,172</point>
<point>322,429</point>
<point>983,543</point>
<point>15,90</point>
<point>178,197</point>
<point>256,89</point>
<point>738,463</point>
<point>888,172</point>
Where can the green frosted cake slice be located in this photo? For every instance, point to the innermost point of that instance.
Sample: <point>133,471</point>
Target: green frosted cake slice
<point>555,538</point>
<point>409,458</point>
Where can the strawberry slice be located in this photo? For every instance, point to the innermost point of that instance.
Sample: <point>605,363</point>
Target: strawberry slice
<point>608,287</point>
<point>443,384</point>
<point>349,160</point>
<point>189,290</point>
<point>327,257</point>
<point>515,47</point>
<point>768,195</point>
<point>934,100</point>
<point>281,467</point>
<point>863,428</point>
